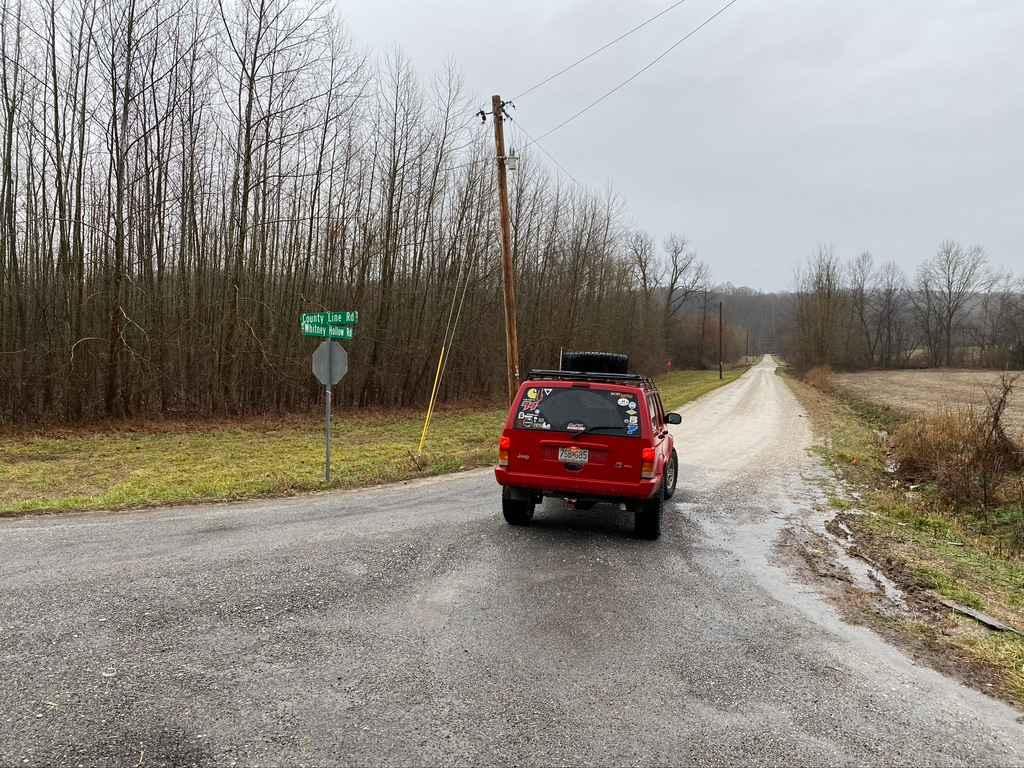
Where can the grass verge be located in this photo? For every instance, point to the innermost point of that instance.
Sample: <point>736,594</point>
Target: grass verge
<point>181,462</point>
<point>931,548</point>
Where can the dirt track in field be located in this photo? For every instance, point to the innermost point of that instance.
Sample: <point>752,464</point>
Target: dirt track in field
<point>926,391</point>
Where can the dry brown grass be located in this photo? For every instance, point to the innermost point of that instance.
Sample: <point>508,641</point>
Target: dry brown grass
<point>963,451</point>
<point>820,378</point>
<point>926,392</point>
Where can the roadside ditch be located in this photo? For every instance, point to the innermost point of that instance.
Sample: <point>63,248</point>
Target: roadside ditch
<point>941,579</point>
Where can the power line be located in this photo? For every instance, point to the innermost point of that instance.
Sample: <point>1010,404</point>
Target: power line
<point>639,72</point>
<point>532,141</point>
<point>528,141</point>
<point>471,163</point>
<point>594,53</point>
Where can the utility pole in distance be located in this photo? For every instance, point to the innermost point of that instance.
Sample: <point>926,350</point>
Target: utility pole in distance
<point>720,375</point>
<point>508,283</point>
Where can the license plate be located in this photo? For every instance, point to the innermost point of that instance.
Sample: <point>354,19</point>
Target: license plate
<point>573,455</point>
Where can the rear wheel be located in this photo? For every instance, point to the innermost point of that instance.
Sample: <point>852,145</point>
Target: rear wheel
<point>517,511</point>
<point>647,518</point>
<point>671,476</point>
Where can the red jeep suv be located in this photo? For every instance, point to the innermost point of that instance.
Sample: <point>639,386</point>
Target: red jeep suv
<point>588,436</point>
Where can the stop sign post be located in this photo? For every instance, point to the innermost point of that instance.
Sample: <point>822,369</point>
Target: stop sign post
<point>330,364</point>
<point>330,361</point>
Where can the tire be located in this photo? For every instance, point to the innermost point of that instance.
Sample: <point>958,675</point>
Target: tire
<point>595,362</point>
<point>516,511</point>
<point>671,474</point>
<point>647,518</point>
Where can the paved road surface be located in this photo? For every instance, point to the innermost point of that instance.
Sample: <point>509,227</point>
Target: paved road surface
<point>409,625</point>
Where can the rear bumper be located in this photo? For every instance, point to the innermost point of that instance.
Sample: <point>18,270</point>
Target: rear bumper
<point>567,486</point>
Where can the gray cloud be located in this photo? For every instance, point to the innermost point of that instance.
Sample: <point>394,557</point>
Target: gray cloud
<point>877,125</point>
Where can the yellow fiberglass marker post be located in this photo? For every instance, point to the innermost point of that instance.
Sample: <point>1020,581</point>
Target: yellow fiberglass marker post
<point>433,397</point>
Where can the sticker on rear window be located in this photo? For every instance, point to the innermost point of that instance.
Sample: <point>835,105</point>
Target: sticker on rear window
<point>623,402</point>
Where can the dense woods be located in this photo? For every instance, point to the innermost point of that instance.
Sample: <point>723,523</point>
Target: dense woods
<point>181,179</point>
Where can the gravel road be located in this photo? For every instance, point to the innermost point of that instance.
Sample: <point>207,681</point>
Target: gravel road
<point>409,625</point>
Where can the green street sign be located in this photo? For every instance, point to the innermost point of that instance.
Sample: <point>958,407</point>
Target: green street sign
<point>325,331</point>
<point>331,318</point>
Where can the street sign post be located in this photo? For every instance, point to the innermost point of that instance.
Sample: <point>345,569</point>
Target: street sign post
<point>330,361</point>
<point>330,364</point>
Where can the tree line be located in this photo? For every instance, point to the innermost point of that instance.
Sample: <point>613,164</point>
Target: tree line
<point>181,180</point>
<point>954,310</point>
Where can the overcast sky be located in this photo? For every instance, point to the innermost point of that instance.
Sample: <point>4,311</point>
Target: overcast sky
<point>881,125</point>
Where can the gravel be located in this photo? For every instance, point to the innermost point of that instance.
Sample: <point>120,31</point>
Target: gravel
<point>408,625</point>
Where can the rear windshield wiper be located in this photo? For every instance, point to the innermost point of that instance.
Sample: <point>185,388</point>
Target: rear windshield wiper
<point>596,427</point>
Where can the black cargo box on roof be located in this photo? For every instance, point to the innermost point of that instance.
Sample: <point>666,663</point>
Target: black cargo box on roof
<point>595,362</point>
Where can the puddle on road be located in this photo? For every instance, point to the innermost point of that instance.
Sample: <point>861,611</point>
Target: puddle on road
<point>785,542</point>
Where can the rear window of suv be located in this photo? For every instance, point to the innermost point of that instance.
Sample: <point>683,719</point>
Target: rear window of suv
<point>576,410</point>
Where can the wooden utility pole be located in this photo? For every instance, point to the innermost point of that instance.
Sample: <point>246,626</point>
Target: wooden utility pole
<point>720,374</point>
<point>508,283</point>
<point>703,327</point>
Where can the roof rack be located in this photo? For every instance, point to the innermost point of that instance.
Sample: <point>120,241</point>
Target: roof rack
<point>605,378</point>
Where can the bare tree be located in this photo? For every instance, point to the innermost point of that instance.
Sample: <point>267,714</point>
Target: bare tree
<point>949,280</point>
<point>993,326</point>
<point>684,276</point>
<point>1017,325</point>
<point>640,251</point>
<point>862,298</point>
<point>180,180</point>
<point>890,301</point>
<point>817,307</point>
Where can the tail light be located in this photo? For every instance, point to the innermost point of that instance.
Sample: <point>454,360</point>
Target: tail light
<point>504,445</point>
<point>647,465</point>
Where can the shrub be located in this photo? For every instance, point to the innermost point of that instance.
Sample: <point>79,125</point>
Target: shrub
<point>820,377</point>
<point>965,452</point>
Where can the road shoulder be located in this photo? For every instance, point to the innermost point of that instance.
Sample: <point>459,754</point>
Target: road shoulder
<point>890,558</point>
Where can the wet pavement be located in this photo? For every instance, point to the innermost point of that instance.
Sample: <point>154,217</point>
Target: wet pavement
<point>409,625</point>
